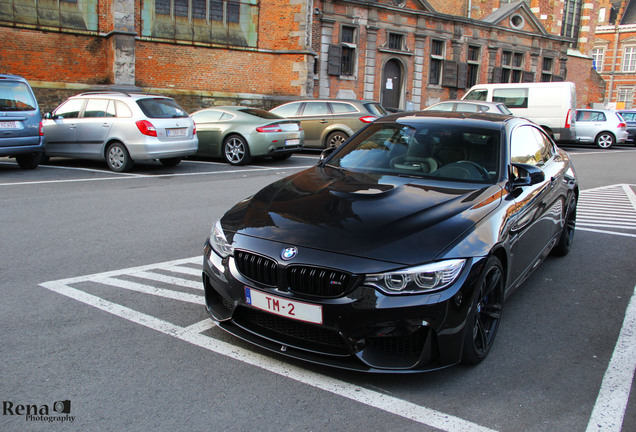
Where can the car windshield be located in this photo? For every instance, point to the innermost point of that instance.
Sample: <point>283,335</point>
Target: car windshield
<point>260,113</point>
<point>161,108</point>
<point>427,150</point>
<point>15,96</point>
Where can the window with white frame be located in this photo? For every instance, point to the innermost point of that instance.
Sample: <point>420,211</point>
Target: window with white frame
<point>629,59</point>
<point>597,55</point>
<point>626,95</point>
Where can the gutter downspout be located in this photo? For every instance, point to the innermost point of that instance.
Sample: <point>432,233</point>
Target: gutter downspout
<point>619,17</point>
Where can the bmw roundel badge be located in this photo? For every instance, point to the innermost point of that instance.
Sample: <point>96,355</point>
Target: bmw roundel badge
<point>288,253</point>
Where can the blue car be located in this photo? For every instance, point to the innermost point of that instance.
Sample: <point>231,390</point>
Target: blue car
<point>21,131</point>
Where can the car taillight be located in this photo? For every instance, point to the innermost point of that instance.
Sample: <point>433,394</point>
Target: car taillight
<point>41,129</point>
<point>146,128</point>
<point>269,128</point>
<point>567,119</point>
<point>368,119</point>
<point>194,130</point>
<point>622,125</point>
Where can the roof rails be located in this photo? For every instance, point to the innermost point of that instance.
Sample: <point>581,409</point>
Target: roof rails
<point>104,92</point>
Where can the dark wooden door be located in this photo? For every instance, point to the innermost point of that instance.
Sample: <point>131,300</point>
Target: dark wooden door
<point>391,84</point>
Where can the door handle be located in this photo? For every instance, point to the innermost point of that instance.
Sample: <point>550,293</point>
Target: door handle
<point>324,121</point>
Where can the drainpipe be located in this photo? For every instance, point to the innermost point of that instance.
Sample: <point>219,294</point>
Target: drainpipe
<point>619,17</point>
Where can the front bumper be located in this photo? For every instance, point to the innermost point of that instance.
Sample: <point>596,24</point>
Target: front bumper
<point>363,329</point>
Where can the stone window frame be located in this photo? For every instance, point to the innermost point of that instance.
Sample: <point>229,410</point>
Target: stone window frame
<point>510,71</point>
<point>625,94</point>
<point>547,66</point>
<point>628,63</point>
<point>598,52</point>
<point>436,62</point>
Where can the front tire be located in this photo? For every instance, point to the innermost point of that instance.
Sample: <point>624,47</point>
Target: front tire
<point>485,313</point>
<point>29,161</point>
<point>118,158</point>
<point>236,151</point>
<point>567,234</point>
<point>604,140</point>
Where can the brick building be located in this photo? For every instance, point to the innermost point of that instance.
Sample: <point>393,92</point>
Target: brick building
<point>614,52</point>
<point>406,53</point>
<point>411,53</point>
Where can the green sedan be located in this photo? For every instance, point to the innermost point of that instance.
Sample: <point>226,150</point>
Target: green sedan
<point>239,134</point>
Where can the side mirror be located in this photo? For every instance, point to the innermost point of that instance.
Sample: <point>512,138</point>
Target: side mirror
<point>48,116</point>
<point>528,175</point>
<point>327,152</point>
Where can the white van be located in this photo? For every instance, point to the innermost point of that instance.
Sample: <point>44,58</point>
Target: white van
<point>552,105</point>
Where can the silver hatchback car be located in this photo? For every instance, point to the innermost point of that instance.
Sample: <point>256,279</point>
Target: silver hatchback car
<point>120,128</point>
<point>601,127</point>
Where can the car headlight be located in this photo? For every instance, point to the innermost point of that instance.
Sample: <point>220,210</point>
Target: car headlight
<point>424,278</point>
<point>218,241</point>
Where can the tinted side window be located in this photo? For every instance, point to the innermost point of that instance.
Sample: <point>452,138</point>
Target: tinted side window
<point>70,109</point>
<point>513,98</point>
<point>525,146</point>
<point>316,108</point>
<point>443,107</point>
<point>288,110</point>
<point>341,108</point>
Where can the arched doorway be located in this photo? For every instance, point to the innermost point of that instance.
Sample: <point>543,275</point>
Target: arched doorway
<point>391,84</point>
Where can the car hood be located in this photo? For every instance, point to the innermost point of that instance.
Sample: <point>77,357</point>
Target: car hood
<point>402,220</point>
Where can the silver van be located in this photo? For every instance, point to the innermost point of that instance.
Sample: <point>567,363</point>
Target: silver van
<point>551,105</point>
<point>21,132</point>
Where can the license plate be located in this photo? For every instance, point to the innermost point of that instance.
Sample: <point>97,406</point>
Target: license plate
<point>176,132</point>
<point>292,142</point>
<point>9,125</point>
<point>281,306</point>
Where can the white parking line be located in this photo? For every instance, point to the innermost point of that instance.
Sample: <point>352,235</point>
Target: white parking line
<point>611,403</point>
<point>192,334</point>
<point>153,176</point>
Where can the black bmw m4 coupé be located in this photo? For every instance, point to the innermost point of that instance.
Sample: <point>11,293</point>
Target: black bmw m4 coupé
<point>396,251</point>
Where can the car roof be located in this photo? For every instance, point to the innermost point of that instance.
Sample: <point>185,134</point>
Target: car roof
<point>13,77</point>
<point>335,100</point>
<point>486,120</point>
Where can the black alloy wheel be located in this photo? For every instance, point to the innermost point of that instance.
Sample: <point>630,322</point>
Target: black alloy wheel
<point>483,319</point>
<point>567,233</point>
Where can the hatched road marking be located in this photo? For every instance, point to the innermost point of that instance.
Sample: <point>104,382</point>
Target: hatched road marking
<point>608,209</point>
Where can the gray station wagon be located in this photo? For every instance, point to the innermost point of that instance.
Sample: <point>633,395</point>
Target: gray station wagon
<point>120,128</point>
<point>21,133</point>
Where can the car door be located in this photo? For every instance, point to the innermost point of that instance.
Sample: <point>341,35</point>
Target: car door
<point>538,207</point>
<point>93,127</point>
<point>588,124</point>
<point>60,129</point>
<point>315,117</point>
<point>209,131</point>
